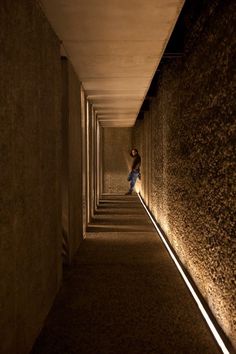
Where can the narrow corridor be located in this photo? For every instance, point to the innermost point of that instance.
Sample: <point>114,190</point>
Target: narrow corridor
<point>83,84</point>
<point>123,293</point>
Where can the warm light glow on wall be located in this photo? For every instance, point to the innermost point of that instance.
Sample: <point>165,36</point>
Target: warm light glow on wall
<point>138,188</point>
<point>187,282</point>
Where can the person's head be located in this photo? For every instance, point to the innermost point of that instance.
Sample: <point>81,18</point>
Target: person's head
<point>133,152</point>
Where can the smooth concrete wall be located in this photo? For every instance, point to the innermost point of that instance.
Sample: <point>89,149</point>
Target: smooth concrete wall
<point>72,213</point>
<point>98,162</point>
<point>92,160</point>
<point>116,145</point>
<point>190,128</point>
<point>65,163</point>
<point>88,160</point>
<point>30,221</point>
<point>84,158</point>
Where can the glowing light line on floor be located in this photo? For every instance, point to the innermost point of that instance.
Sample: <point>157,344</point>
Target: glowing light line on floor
<point>187,282</point>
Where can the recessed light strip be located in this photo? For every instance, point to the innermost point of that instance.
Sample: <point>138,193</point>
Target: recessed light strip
<point>187,282</point>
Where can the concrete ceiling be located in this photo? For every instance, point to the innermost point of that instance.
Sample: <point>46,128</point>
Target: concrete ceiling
<point>115,47</point>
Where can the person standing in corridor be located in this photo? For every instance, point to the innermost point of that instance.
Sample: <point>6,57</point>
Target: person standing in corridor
<point>135,172</point>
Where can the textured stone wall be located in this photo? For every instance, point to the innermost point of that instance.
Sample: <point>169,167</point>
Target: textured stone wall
<point>191,125</point>
<point>72,214</point>
<point>30,216</point>
<point>116,144</point>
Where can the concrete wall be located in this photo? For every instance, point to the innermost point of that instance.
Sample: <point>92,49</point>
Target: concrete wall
<point>72,215</point>
<point>190,130</point>
<point>84,158</point>
<point>89,166</point>
<point>116,144</point>
<point>92,137</point>
<point>98,158</point>
<point>30,221</point>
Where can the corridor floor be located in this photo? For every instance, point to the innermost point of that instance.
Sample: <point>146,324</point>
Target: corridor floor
<point>123,294</point>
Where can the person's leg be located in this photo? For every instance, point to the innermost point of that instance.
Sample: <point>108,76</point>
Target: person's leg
<point>129,177</point>
<point>134,176</point>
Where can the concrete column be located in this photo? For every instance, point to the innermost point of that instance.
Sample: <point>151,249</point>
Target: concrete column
<point>92,160</point>
<point>72,211</point>
<point>65,162</point>
<point>95,161</point>
<point>88,164</point>
<point>84,159</point>
<point>100,160</point>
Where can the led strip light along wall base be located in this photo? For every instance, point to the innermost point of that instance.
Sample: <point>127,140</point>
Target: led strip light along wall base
<point>187,282</point>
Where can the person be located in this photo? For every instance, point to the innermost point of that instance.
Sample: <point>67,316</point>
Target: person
<point>135,172</point>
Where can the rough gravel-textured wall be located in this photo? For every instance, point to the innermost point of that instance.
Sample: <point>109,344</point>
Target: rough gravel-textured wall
<point>192,162</point>
<point>116,144</point>
<point>30,221</point>
<point>72,214</point>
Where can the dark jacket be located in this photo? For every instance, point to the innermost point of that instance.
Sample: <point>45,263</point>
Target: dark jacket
<point>136,163</point>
